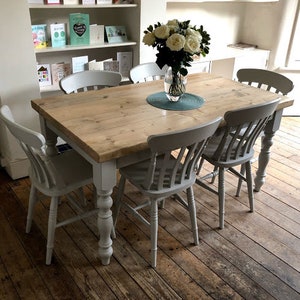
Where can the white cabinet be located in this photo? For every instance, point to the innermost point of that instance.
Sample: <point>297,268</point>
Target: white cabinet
<point>251,59</point>
<point>236,59</point>
<point>229,61</point>
<point>127,15</point>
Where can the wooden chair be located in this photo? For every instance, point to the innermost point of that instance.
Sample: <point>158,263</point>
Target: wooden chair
<point>265,79</point>
<point>147,72</point>
<point>164,175</point>
<point>233,146</point>
<point>53,176</point>
<point>89,80</point>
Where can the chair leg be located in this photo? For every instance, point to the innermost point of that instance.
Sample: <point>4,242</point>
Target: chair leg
<point>221,189</point>
<point>82,196</point>
<point>32,201</point>
<point>200,165</point>
<point>250,185</point>
<point>118,204</point>
<point>161,204</point>
<point>154,229</point>
<point>51,228</point>
<point>238,190</point>
<point>193,215</point>
<point>214,175</point>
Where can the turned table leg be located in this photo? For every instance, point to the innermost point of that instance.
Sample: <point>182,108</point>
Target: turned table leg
<point>265,152</point>
<point>104,176</point>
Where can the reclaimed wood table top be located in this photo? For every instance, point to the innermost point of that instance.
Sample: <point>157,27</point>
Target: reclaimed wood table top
<point>114,122</point>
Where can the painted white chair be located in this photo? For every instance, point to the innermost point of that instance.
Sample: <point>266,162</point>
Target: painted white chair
<point>53,176</point>
<point>265,79</point>
<point>89,80</point>
<point>166,174</point>
<point>233,146</point>
<point>147,72</point>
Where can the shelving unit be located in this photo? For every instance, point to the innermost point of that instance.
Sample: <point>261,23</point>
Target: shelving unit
<point>83,47</point>
<point>127,15</point>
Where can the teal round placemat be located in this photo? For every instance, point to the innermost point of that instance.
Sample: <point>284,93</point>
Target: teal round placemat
<point>186,102</point>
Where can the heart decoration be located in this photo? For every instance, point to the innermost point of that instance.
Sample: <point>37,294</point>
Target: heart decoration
<point>79,28</point>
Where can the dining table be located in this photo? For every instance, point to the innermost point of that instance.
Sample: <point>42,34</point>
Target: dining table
<point>110,127</point>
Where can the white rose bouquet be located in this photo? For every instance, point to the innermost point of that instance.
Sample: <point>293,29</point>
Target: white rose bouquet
<point>176,43</point>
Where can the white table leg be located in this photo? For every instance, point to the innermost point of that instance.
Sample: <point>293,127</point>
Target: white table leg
<point>265,152</point>
<point>104,175</point>
<point>51,138</point>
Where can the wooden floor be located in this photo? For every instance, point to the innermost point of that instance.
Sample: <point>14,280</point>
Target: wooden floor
<point>256,255</point>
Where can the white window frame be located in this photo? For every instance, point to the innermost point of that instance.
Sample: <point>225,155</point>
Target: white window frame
<point>293,53</point>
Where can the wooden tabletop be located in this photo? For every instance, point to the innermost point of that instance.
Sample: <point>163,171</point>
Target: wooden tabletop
<point>115,122</point>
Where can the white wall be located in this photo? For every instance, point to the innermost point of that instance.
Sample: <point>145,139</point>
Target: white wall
<point>269,25</point>
<point>151,12</point>
<point>221,20</point>
<point>18,81</point>
<point>262,24</point>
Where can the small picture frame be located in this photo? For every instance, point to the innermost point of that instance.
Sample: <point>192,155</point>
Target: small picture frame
<point>104,2</point>
<point>88,2</point>
<point>44,74</point>
<point>111,66</point>
<point>36,1</point>
<point>52,1</point>
<point>115,34</point>
<point>122,1</point>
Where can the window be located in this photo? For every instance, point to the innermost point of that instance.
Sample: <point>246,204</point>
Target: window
<point>293,55</point>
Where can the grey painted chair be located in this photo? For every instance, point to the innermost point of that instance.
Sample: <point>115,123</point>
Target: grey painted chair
<point>265,79</point>
<point>147,72</point>
<point>166,174</point>
<point>233,146</point>
<point>89,80</point>
<point>53,176</point>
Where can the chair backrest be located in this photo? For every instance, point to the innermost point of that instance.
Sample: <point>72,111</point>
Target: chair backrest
<point>147,72</point>
<point>167,170</point>
<point>243,127</point>
<point>268,80</point>
<point>89,80</point>
<point>33,143</point>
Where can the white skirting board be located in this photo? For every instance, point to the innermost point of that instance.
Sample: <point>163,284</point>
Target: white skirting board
<point>17,169</point>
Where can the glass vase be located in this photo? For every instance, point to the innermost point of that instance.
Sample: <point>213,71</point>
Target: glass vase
<point>174,85</point>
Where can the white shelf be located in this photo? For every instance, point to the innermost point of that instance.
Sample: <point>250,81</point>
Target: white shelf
<point>50,6</point>
<point>49,88</point>
<point>82,47</point>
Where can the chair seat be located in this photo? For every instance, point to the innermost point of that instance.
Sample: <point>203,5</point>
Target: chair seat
<point>223,162</point>
<point>71,175</point>
<point>136,175</point>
